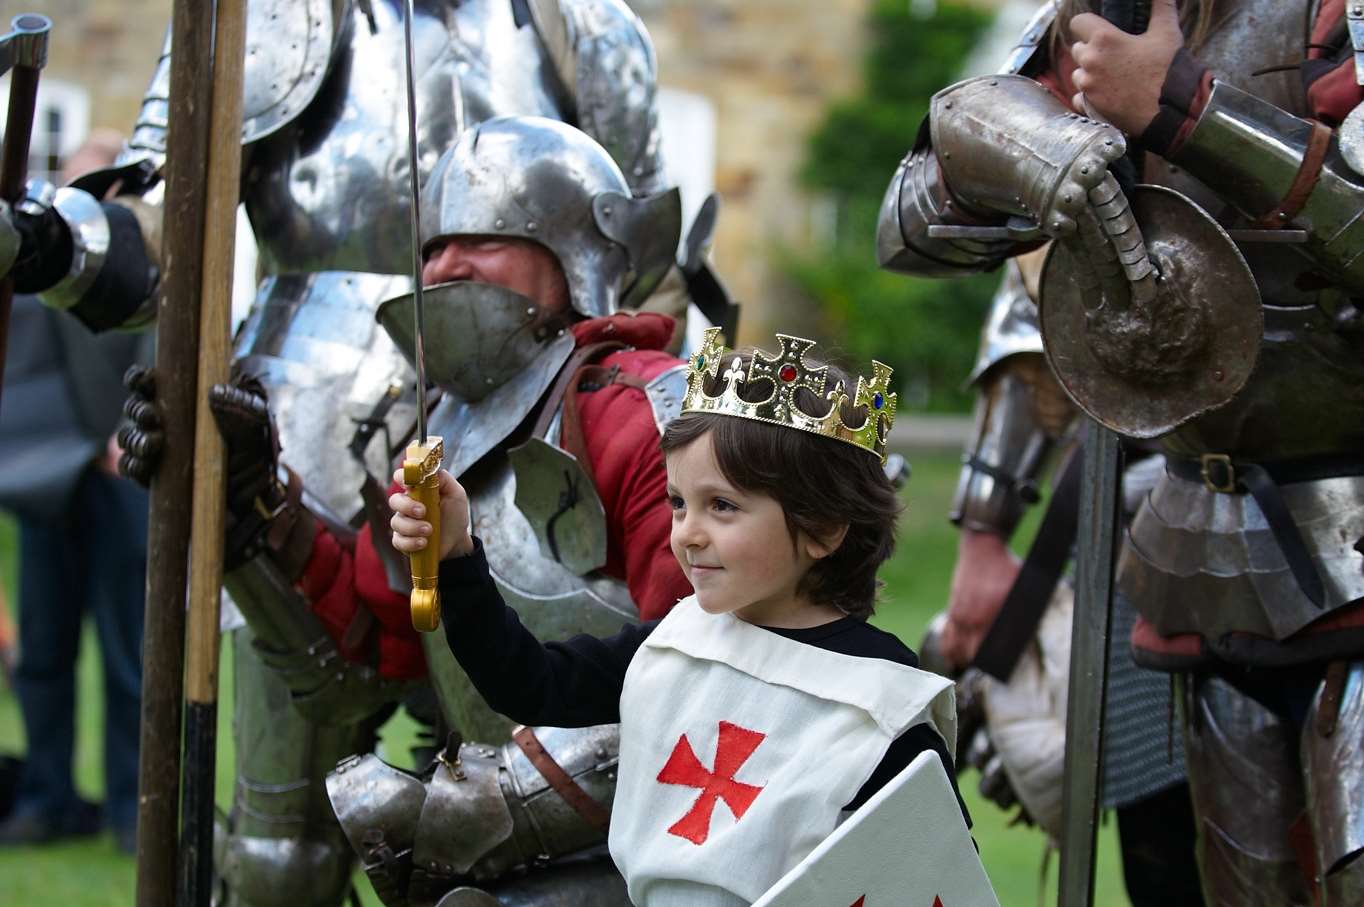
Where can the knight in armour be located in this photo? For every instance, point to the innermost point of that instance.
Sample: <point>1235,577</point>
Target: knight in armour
<point>1198,167</point>
<point>325,175</point>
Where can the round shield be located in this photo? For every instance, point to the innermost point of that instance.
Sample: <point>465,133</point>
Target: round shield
<point>1143,368</point>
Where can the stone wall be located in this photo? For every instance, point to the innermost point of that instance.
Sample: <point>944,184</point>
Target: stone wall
<point>107,46</point>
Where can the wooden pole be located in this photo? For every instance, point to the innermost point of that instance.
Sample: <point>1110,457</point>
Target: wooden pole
<point>177,361</point>
<point>207,539</point>
<point>30,49</point>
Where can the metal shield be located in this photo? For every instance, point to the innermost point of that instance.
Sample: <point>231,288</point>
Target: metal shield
<point>1144,369</point>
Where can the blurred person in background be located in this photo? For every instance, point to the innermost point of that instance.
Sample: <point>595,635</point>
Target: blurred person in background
<point>82,550</point>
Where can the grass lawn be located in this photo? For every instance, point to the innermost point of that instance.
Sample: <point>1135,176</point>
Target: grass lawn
<point>94,874</point>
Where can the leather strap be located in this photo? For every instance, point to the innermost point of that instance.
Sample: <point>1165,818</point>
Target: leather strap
<point>1303,183</point>
<point>562,783</point>
<point>1016,624</point>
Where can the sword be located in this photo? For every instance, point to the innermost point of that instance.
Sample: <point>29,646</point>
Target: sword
<point>421,464</point>
<point>1097,544</point>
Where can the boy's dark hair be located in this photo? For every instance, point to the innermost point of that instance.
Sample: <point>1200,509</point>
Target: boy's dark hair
<point>821,483</point>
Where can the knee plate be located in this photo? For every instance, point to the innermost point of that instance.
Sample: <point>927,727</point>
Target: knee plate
<point>1247,792</point>
<point>480,816</point>
<point>1333,767</point>
<point>282,844</point>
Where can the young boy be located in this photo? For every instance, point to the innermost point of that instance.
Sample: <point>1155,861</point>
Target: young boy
<point>766,689</point>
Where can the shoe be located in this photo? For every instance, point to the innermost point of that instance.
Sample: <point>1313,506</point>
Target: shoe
<point>27,828</point>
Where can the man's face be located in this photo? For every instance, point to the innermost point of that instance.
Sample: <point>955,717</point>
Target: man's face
<point>519,265</point>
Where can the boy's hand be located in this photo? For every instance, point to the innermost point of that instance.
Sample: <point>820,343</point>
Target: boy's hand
<point>411,530</point>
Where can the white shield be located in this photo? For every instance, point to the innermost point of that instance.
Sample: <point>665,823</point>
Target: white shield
<point>906,847</point>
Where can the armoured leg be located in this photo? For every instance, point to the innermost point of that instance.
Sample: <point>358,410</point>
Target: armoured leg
<point>1244,777</point>
<point>482,816</point>
<point>1333,770</point>
<point>283,844</point>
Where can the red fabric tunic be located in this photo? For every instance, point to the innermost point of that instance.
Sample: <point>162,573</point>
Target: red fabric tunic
<point>621,439</point>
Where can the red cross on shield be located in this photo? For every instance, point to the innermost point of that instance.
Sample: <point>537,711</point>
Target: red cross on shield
<point>733,746</point>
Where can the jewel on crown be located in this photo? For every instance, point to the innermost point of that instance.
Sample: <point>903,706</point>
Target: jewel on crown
<point>788,373</point>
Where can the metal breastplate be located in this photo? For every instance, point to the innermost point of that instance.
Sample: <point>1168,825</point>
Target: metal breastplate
<point>1310,359</point>
<point>313,341</point>
<point>329,191</point>
<point>551,600</point>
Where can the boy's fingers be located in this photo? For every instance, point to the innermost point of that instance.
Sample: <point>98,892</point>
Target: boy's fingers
<point>408,526</point>
<point>398,476</point>
<point>406,544</point>
<point>401,503</point>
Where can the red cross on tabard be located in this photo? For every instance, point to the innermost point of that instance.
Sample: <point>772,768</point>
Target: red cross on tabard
<point>862,902</point>
<point>732,749</point>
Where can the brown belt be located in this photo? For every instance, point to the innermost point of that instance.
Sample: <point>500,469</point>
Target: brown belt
<point>560,780</point>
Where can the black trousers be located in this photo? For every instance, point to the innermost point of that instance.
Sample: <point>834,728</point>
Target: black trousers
<point>1157,837</point>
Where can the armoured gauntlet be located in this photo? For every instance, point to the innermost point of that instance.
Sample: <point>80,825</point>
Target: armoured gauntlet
<point>1005,144</point>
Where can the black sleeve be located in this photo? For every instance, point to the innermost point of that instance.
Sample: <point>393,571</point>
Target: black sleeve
<point>574,683</point>
<point>903,751</point>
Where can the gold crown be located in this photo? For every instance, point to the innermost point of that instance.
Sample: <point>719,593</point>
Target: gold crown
<point>788,373</point>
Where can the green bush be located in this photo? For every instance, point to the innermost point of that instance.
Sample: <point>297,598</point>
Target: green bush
<point>925,329</point>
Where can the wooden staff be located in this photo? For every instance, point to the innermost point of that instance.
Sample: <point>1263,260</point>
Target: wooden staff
<point>210,486</point>
<point>177,367</point>
<point>27,46</point>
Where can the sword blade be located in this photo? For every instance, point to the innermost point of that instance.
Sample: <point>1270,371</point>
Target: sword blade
<point>1098,544</point>
<point>418,310</point>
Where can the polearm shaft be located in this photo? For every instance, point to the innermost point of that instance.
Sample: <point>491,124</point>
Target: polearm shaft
<point>27,43</point>
<point>177,360</point>
<point>210,488</point>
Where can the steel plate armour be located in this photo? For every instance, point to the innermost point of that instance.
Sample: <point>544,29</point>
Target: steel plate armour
<point>1200,561</point>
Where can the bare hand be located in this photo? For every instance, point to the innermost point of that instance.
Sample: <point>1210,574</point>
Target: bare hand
<point>1119,76</point>
<point>982,577</point>
<point>411,530</point>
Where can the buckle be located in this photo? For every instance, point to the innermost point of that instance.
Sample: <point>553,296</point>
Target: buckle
<point>1218,473</point>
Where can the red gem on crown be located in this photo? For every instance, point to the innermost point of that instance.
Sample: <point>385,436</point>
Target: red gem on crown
<point>787,373</point>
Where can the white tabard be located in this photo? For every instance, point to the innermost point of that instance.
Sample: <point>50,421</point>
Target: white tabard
<point>739,749</point>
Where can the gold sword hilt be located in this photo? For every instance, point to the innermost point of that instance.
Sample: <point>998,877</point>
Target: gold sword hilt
<point>421,475</point>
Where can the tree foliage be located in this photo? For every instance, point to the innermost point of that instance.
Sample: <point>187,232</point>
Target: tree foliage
<point>925,329</point>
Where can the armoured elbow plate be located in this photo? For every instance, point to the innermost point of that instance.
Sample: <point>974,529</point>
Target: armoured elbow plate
<point>478,816</point>
<point>1252,154</point>
<point>998,474</point>
<point>89,230</point>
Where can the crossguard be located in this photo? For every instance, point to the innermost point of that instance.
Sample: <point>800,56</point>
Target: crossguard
<point>421,468</point>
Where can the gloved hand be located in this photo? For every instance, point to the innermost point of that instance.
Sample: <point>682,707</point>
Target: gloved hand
<point>255,496</point>
<point>141,437</point>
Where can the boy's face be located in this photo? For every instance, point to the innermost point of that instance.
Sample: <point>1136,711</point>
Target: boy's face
<point>735,547</point>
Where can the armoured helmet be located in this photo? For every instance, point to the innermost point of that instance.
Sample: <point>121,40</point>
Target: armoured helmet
<point>545,181</point>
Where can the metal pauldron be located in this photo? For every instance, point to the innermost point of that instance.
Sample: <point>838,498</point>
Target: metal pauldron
<point>1252,154</point>
<point>479,814</point>
<point>1000,467</point>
